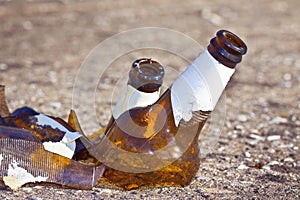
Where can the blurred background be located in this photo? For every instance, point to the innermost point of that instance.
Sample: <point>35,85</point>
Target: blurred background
<point>43,44</point>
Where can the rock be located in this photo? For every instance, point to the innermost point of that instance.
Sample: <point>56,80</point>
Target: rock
<point>274,162</point>
<point>242,118</point>
<point>247,154</point>
<point>242,167</point>
<point>257,137</point>
<point>273,137</point>
<point>239,127</point>
<point>289,159</point>
<point>278,120</point>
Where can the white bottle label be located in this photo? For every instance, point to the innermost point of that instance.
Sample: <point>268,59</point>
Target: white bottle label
<point>199,87</point>
<point>132,98</point>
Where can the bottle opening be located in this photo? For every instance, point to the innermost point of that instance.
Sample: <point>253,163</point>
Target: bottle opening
<point>148,69</point>
<point>146,75</point>
<point>232,41</point>
<point>227,48</point>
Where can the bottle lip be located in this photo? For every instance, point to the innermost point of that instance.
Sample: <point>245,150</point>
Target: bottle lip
<point>232,41</point>
<point>227,48</point>
<point>148,70</point>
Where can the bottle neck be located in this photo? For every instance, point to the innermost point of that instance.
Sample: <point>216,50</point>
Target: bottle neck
<point>143,88</point>
<point>199,87</point>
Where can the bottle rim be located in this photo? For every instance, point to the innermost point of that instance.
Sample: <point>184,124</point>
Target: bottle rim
<point>148,69</point>
<point>227,48</point>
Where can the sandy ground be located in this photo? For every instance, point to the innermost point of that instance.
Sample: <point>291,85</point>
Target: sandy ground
<point>257,155</point>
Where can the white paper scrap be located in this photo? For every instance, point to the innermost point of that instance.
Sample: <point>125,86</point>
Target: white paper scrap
<point>17,176</point>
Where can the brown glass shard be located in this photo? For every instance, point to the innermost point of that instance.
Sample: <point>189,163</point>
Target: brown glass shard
<point>32,157</point>
<point>4,111</point>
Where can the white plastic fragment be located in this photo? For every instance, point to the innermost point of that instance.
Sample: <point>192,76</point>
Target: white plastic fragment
<point>66,147</point>
<point>17,176</point>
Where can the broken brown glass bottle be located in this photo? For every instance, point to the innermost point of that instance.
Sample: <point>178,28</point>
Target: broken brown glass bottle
<point>24,158</point>
<point>157,145</point>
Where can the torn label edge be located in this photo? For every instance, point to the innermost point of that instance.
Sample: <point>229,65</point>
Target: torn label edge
<point>131,98</point>
<point>21,175</point>
<point>199,87</point>
<point>66,147</point>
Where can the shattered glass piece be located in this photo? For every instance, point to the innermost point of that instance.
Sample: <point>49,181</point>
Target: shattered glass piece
<point>31,156</point>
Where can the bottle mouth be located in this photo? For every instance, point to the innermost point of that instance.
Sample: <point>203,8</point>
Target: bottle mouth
<point>148,69</point>
<point>146,75</point>
<point>227,48</point>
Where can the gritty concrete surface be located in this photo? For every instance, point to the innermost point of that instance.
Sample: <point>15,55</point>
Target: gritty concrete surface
<point>257,155</point>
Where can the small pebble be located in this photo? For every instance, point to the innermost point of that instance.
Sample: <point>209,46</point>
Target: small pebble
<point>289,159</point>
<point>3,66</point>
<point>247,154</point>
<point>242,166</point>
<point>286,84</point>
<point>287,77</point>
<point>278,120</point>
<point>257,137</point>
<point>255,131</point>
<point>27,189</point>
<point>108,191</point>
<point>27,25</point>
<point>252,114</point>
<point>221,149</point>
<point>55,105</point>
<point>291,145</point>
<point>266,167</point>
<point>239,127</point>
<point>242,118</point>
<point>53,76</point>
<point>274,162</point>
<point>271,150</point>
<point>273,137</point>
<point>286,132</point>
<point>252,142</point>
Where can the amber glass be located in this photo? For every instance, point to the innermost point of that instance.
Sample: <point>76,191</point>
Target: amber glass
<point>226,48</point>
<point>4,111</point>
<point>145,75</point>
